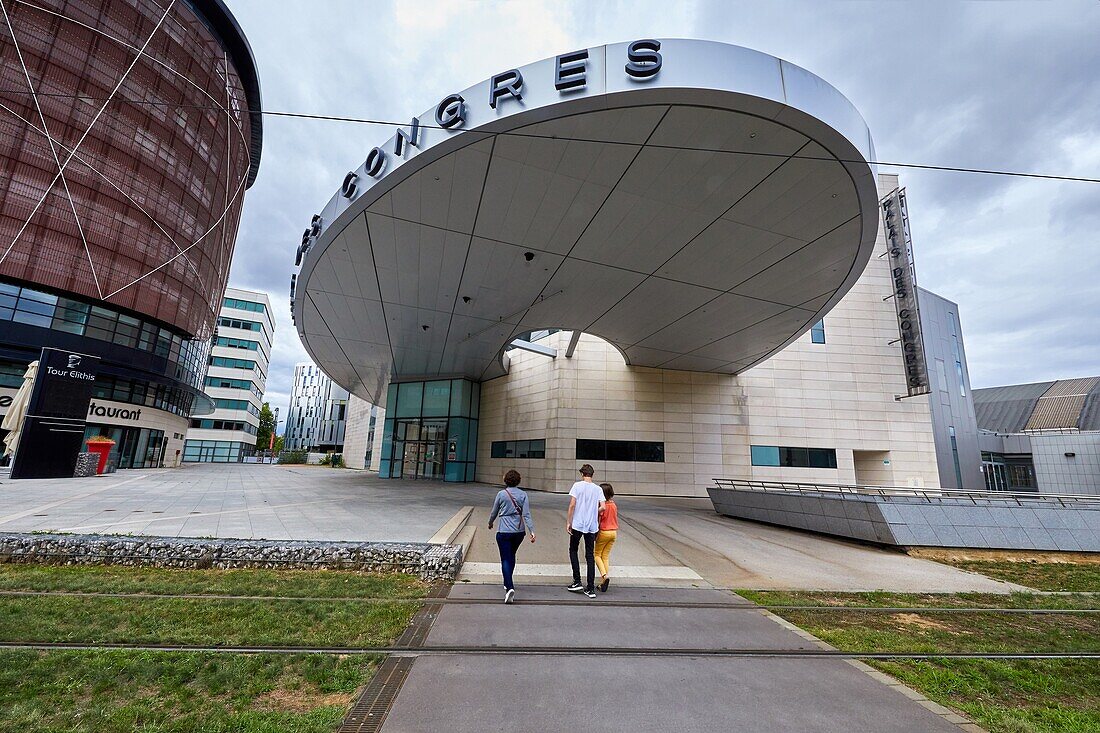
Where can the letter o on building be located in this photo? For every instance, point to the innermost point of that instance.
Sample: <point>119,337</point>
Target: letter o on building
<point>376,162</point>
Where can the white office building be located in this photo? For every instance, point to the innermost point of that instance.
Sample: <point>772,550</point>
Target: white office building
<point>318,410</point>
<point>235,381</point>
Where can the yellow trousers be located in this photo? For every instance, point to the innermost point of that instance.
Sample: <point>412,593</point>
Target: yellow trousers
<point>604,540</point>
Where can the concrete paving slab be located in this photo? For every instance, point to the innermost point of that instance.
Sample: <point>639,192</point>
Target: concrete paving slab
<point>245,501</point>
<point>469,693</point>
<point>646,594</point>
<point>619,627</point>
<point>556,573</point>
<point>734,553</point>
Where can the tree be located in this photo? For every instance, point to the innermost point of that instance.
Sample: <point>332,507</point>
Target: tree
<point>278,444</point>
<point>267,427</point>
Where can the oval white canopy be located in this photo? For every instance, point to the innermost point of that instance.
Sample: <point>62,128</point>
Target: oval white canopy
<point>699,217</point>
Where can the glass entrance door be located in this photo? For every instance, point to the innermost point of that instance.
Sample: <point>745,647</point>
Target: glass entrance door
<point>419,450</point>
<point>423,459</point>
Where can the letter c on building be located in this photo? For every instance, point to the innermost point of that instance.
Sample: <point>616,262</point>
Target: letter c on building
<point>350,185</point>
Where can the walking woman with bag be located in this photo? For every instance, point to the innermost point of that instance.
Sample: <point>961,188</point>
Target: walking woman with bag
<point>609,528</point>
<point>514,511</point>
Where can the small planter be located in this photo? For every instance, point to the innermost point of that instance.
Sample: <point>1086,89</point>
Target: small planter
<point>102,448</point>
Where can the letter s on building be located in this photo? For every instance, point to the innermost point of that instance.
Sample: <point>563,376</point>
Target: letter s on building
<point>644,59</point>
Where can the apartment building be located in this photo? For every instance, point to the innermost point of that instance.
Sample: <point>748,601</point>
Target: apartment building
<point>235,381</point>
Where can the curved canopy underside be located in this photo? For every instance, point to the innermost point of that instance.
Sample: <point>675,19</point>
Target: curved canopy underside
<point>694,229</point>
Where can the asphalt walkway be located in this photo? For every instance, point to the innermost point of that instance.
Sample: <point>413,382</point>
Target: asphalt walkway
<point>580,679</point>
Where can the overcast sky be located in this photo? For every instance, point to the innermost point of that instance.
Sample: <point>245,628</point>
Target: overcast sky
<point>1003,85</point>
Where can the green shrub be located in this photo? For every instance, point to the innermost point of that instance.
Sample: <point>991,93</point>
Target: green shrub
<point>336,460</point>
<point>292,456</point>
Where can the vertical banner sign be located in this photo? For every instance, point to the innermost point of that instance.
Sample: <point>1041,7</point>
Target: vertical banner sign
<point>899,244</point>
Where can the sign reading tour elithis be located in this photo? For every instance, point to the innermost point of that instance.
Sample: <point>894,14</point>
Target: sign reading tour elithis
<point>721,197</point>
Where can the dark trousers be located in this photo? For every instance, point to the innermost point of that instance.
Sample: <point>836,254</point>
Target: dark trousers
<point>589,555</point>
<point>508,543</point>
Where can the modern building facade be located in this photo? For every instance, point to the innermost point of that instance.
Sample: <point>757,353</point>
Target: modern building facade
<point>822,410</point>
<point>954,425</point>
<point>129,132</point>
<point>1042,437</point>
<point>318,413</point>
<point>664,258</point>
<point>235,382</point>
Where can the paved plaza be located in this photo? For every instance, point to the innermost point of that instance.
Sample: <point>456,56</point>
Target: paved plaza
<point>662,541</point>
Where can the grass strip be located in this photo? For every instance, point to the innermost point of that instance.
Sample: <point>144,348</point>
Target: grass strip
<point>1079,577</point>
<point>1010,696</point>
<point>242,582</point>
<point>880,599</point>
<point>203,621</point>
<point>172,692</point>
<point>859,631</point>
<point>1003,696</point>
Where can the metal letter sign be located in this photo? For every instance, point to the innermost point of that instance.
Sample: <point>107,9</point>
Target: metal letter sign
<point>899,244</point>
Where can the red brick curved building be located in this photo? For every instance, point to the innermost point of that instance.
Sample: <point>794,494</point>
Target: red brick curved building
<point>129,132</point>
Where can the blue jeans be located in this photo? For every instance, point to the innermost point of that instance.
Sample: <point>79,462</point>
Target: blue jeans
<point>508,543</point>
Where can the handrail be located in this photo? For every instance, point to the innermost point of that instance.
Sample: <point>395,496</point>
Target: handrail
<point>800,487</point>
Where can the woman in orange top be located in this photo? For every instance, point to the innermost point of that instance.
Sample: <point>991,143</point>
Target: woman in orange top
<point>609,527</point>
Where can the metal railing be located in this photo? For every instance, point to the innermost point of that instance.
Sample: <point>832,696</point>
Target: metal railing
<point>798,487</point>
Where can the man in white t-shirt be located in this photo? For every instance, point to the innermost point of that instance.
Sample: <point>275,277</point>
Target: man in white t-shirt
<point>585,502</point>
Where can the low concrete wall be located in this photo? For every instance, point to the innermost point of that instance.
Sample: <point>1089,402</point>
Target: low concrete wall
<point>910,521</point>
<point>428,562</point>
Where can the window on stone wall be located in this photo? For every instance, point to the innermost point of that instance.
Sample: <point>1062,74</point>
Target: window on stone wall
<point>786,457</point>
<point>526,449</point>
<point>817,332</point>
<point>630,451</point>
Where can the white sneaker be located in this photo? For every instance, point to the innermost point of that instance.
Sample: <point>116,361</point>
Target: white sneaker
<point>509,596</point>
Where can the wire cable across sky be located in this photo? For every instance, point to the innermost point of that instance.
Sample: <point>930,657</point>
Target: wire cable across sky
<point>516,133</point>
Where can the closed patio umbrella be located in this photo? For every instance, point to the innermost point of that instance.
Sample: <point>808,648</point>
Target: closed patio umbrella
<point>13,421</point>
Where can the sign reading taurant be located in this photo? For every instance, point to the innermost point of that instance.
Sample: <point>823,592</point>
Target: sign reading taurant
<point>899,244</point>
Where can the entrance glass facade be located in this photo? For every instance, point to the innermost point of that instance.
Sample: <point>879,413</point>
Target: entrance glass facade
<point>135,447</point>
<point>430,430</point>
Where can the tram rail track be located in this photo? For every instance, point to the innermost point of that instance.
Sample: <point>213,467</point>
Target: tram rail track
<point>430,650</point>
<point>603,601</point>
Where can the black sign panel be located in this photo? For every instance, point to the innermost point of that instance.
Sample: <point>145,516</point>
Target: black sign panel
<point>53,431</point>
<point>48,448</point>
<point>64,385</point>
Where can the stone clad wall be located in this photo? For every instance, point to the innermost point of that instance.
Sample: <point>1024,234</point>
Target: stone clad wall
<point>355,436</point>
<point>426,561</point>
